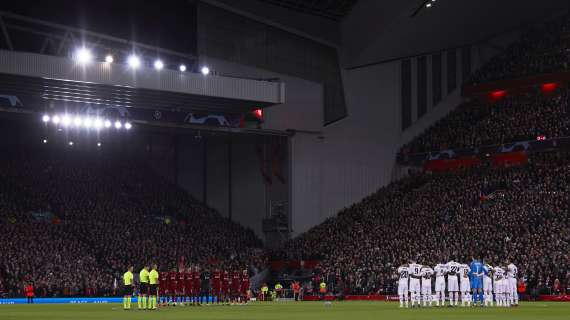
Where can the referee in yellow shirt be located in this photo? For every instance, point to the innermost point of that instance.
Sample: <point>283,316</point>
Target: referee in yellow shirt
<point>127,288</point>
<point>143,288</point>
<point>153,280</point>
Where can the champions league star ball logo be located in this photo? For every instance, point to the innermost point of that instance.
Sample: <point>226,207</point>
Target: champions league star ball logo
<point>157,115</point>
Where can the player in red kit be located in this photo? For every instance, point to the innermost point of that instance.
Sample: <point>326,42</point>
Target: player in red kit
<point>189,288</point>
<point>225,291</point>
<point>172,285</point>
<point>217,284</point>
<point>181,285</point>
<point>244,286</point>
<point>163,288</point>
<point>197,285</point>
<point>236,284</point>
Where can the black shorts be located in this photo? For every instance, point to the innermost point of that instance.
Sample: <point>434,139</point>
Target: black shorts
<point>153,289</point>
<point>127,290</point>
<point>143,288</point>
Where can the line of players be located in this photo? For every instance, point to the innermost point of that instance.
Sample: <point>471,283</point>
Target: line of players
<point>477,282</point>
<point>195,287</point>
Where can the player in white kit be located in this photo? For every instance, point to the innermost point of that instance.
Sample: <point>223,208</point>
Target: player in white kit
<point>499,284</point>
<point>511,278</point>
<point>464,272</point>
<point>403,277</point>
<point>427,294</point>
<point>452,268</point>
<point>415,286</point>
<point>439,271</point>
<point>488,285</point>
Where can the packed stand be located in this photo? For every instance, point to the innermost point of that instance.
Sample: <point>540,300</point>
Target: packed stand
<point>543,48</point>
<point>440,217</point>
<point>515,118</point>
<point>73,221</point>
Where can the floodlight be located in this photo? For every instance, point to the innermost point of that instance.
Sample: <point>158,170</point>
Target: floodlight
<point>109,59</point>
<point>134,61</point>
<point>83,55</point>
<point>182,68</point>
<point>118,124</point>
<point>158,65</point>
<point>205,70</point>
<point>55,119</point>
<point>128,125</point>
<point>45,118</point>
<point>107,123</point>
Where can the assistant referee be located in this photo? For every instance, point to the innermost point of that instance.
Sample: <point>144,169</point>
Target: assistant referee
<point>143,290</point>
<point>153,280</point>
<point>127,288</point>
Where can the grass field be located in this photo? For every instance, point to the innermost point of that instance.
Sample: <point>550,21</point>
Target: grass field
<point>285,311</point>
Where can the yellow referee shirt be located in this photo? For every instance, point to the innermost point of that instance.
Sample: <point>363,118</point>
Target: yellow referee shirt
<point>143,276</point>
<point>128,278</point>
<point>153,277</point>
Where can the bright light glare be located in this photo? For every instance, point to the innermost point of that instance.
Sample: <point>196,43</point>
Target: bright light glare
<point>428,5</point>
<point>158,65</point>
<point>182,68</point>
<point>107,124</point>
<point>87,123</point>
<point>134,61</point>
<point>45,118</point>
<point>83,55</point>
<point>44,141</point>
<point>55,119</point>
<point>109,59</point>
<point>128,126</point>
<point>70,143</point>
<point>205,70</point>
<point>98,123</point>
<point>99,144</point>
<point>77,121</point>
<point>118,124</point>
<point>66,120</point>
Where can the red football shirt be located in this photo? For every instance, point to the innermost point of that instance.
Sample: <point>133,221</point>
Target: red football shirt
<point>172,281</point>
<point>226,282</point>
<point>244,283</point>
<point>189,283</point>
<point>236,279</point>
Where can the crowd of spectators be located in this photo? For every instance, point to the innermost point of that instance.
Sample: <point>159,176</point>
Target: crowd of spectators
<point>438,217</point>
<point>73,221</point>
<point>515,118</point>
<point>543,48</point>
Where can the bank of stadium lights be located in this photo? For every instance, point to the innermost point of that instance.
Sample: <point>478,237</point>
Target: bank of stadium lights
<point>85,122</point>
<point>84,56</point>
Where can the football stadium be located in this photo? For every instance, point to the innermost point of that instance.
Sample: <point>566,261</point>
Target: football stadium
<point>278,159</point>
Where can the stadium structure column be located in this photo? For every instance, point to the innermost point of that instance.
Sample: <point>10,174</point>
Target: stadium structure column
<point>205,168</point>
<point>230,205</point>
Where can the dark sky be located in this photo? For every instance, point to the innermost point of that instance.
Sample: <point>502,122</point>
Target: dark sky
<point>170,24</point>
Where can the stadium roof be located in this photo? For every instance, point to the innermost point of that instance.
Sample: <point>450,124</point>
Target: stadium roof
<point>330,9</point>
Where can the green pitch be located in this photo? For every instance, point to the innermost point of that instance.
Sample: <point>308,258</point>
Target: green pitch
<point>285,311</point>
